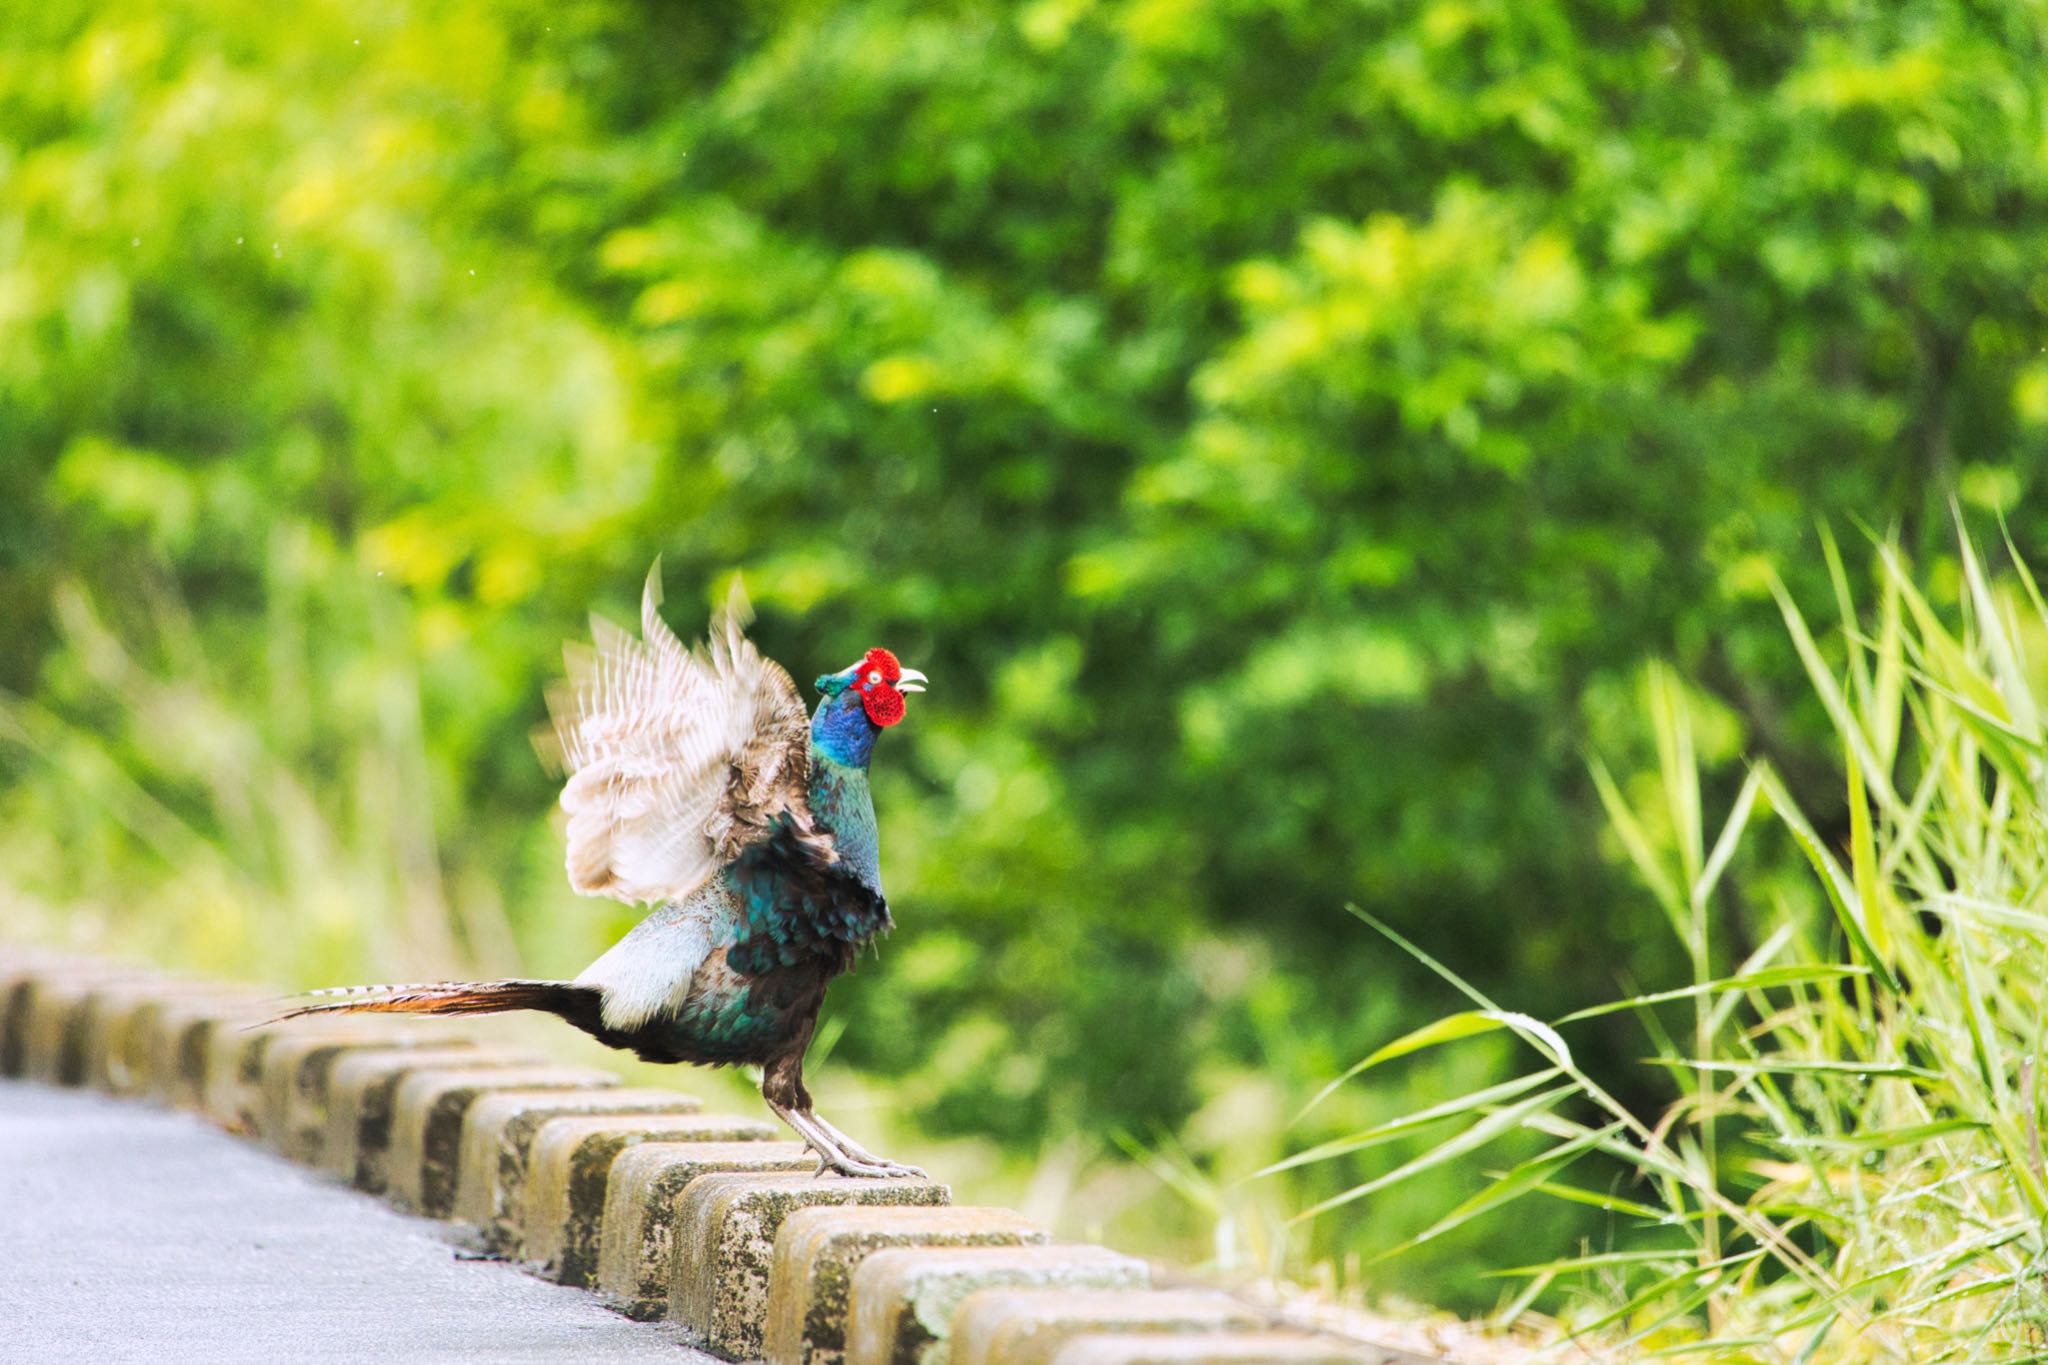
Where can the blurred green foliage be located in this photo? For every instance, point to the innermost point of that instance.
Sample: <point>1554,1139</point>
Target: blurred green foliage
<point>1281,430</point>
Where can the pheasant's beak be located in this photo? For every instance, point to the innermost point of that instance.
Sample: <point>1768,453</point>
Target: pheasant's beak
<point>911,681</point>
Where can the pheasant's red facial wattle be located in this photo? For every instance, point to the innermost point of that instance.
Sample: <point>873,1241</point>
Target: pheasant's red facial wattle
<point>884,705</point>
<point>876,683</point>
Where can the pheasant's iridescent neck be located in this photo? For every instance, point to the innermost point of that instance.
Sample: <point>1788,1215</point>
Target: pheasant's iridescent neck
<point>841,730</point>
<point>842,741</point>
<point>841,802</point>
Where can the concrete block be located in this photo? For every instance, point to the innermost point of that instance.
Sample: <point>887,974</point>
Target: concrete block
<point>19,969</point>
<point>104,1030</point>
<point>568,1170</point>
<point>636,1238</point>
<point>227,1093</point>
<point>426,1124</point>
<point>498,1132</point>
<point>179,1042</point>
<point>1027,1326</point>
<point>361,1087</point>
<point>50,1020</point>
<point>1222,1348</point>
<point>725,1245</point>
<point>50,1017</point>
<point>50,1012</point>
<point>14,979</point>
<point>119,1024</point>
<point>295,1065</point>
<point>904,1299</point>
<point>23,971</point>
<point>233,1092</point>
<point>818,1250</point>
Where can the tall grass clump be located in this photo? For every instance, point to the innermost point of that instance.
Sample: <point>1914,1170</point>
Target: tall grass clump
<point>265,807</point>
<point>1850,1167</point>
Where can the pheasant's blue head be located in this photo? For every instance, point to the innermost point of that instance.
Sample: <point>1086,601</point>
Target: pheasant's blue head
<point>860,702</point>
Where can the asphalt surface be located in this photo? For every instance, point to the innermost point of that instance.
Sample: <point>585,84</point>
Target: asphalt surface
<point>128,1233</point>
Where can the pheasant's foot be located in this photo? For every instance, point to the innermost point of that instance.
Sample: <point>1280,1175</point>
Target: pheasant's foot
<point>845,1163</point>
<point>859,1153</point>
<point>836,1153</point>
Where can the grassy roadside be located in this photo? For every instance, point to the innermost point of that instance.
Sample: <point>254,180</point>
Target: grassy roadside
<point>1850,1166</point>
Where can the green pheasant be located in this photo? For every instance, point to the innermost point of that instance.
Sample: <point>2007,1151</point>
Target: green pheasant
<point>697,786</point>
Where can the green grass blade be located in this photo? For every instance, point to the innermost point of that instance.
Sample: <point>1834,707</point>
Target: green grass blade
<point>1766,979</point>
<point>1830,693</point>
<point>1841,895</point>
<point>1871,893</point>
<point>1488,1129</point>
<point>1449,1029</point>
<point>1992,629</point>
<point>1795,1066</point>
<point>1464,987</point>
<point>1883,1139</point>
<point>1522,1179</point>
<point>1410,1123</point>
<point>1731,835</point>
<point>1640,852</point>
<point>1678,765</point>
<point>1611,1203</point>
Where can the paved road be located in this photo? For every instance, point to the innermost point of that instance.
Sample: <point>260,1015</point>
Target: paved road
<point>131,1234</point>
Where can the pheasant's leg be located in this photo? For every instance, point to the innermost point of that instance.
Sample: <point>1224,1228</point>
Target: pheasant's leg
<point>783,1088</point>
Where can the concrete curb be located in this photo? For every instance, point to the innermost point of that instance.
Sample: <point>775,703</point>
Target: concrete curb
<point>293,1074</point>
<point>1028,1326</point>
<point>427,1112</point>
<point>818,1250</point>
<point>569,1167</point>
<point>498,1131</point>
<point>905,1299</point>
<point>726,1225</point>
<point>356,1141</point>
<point>636,1246</point>
<point>714,1221</point>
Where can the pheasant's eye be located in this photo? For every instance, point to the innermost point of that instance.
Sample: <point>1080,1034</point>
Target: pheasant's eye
<point>874,678</point>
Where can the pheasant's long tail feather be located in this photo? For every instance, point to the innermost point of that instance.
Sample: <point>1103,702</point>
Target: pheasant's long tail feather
<point>577,1004</point>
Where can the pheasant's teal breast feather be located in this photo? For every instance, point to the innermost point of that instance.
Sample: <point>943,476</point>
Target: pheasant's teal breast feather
<point>799,909</point>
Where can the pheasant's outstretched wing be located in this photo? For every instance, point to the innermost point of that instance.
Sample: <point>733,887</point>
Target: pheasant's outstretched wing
<point>677,758</point>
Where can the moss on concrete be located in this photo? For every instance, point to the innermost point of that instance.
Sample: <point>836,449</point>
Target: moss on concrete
<point>360,1090</point>
<point>1223,1348</point>
<point>637,1235</point>
<point>904,1300</point>
<point>1028,1326</point>
<point>498,1132</point>
<point>818,1250</point>
<point>568,1174</point>
<point>426,1124</point>
<point>725,1244</point>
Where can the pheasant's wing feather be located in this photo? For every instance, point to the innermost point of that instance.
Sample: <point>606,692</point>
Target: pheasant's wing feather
<point>677,758</point>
